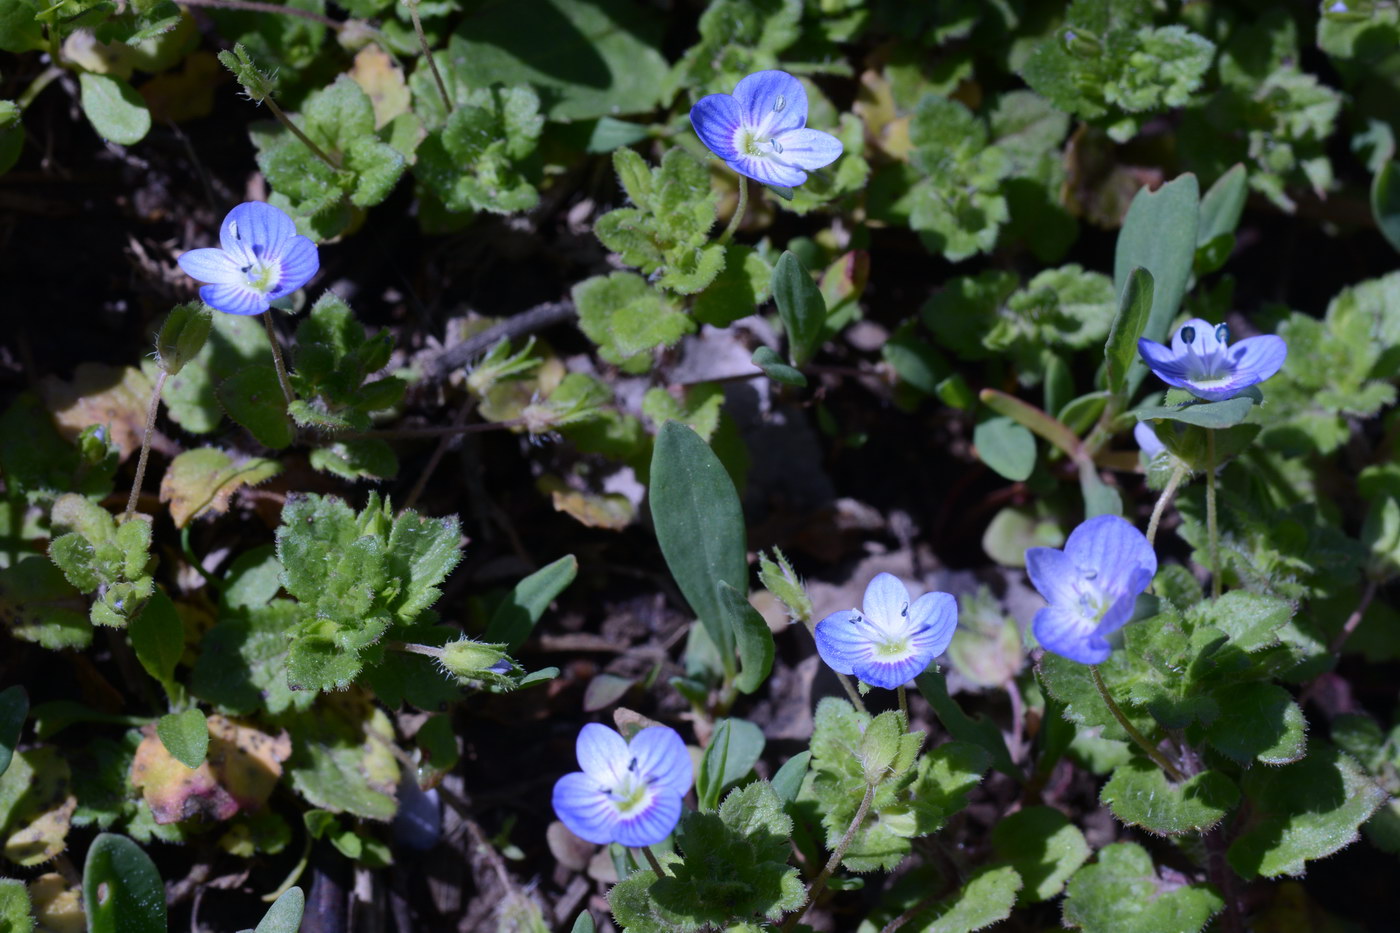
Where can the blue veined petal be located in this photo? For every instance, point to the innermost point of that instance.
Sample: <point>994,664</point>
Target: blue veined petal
<point>210,265</point>
<point>893,673</point>
<point>650,824</point>
<point>1258,358</point>
<point>257,229</point>
<point>1203,340</point>
<point>844,639</point>
<point>1115,552</point>
<point>602,753</point>
<point>1169,366</point>
<point>935,617</point>
<point>771,103</point>
<point>717,120</point>
<point>662,756</point>
<point>809,149</point>
<point>1120,612</point>
<point>1052,574</point>
<point>767,170</point>
<point>886,603</point>
<point>234,298</point>
<point>1069,634</point>
<point>1147,440</point>
<point>300,261</point>
<point>583,807</point>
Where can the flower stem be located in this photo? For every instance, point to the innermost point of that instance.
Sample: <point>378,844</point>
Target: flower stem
<point>845,679</point>
<point>651,860</point>
<point>903,705</point>
<point>46,77</point>
<point>1212,529</point>
<point>151,411</point>
<point>834,862</point>
<point>1178,474</point>
<point>296,131</point>
<point>740,210</point>
<point>276,345</point>
<point>428,53</point>
<point>1152,751</point>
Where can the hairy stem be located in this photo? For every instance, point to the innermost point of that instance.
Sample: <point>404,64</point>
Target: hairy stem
<point>1152,751</point>
<point>281,367</point>
<point>295,130</point>
<point>651,860</point>
<point>1212,529</point>
<point>903,705</point>
<point>428,53</point>
<point>1354,619</point>
<point>1178,474</point>
<point>151,411</point>
<point>740,210</point>
<point>819,884</point>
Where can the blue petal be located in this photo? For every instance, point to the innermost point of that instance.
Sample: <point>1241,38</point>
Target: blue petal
<point>583,807</point>
<point>1118,614</point>
<point>892,674</point>
<point>886,603</point>
<point>809,149</point>
<point>767,170</point>
<point>844,639</point>
<point>1203,340</point>
<point>1069,634</point>
<point>300,261</point>
<point>652,824</point>
<point>210,265</point>
<point>256,229</point>
<point>1258,358</point>
<point>1168,366</point>
<point>602,754</point>
<point>1115,551</point>
<point>234,298</point>
<point>1147,439</point>
<point>936,616</point>
<point>662,757</point>
<point>1052,574</point>
<point>717,121</point>
<point>771,103</point>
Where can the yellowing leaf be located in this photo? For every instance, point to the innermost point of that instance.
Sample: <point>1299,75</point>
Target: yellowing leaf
<point>57,907</point>
<point>201,482</point>
<point>375,72</point>
<point>113,396</point>
<point>36,807</point>
<point>239,773</point>
<point>610,510</point>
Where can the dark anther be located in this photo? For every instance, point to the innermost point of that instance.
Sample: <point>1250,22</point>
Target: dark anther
<point>1188,334</point>
<point>1222,333</point>
<point>632,765</point>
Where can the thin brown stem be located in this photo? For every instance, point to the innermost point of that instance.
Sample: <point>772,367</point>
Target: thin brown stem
<point>1212,528</point>
<point>252,6</point>
<point>428,53</point>
<point>1353,620</point>
<point>903,704</point>
<point>296,131</point>
<point>281,367</point>
<point>1152,751</point>
<point>151,411</point>
<point>458,421</point>
<point>834,862</point>
<point>440,431</point>
<point>651,860</point>
<point>1178,474</point>
<point>739,210</point>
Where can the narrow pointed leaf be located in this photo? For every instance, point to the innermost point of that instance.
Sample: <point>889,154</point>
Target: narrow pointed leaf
<point>1134,306</point>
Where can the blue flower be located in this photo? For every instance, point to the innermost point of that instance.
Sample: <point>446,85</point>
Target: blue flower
<point>1201,362</point>
<point>1091,586</point>
<point>260,259</point>
<point>626,793</point>
<point>892,641</point>
<point>759,130</point>
<point>1148,441</point>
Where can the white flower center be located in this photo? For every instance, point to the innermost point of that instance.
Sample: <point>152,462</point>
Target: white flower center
<point>751,144</point>
<point>632,792</point>
<point>262,275</point>
<point>1093,601</point>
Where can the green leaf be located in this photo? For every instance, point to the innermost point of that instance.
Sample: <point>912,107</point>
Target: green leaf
<point>700,527</point>
<point>1385,202</point>
<point>122,891</point>
<point>253,397</point>
<point>1006,447</point>
<point>1302,811</point>
<point>114,108</point>
<point>236,341</point>
<point>14,707</point>
<point>1222,206</point>
<point>589,58</point>
<point>583,924</point>
<point>242,664</point>
<point>1159,235</point>
<point>787,782</point>
<point>158,637</point>
<point>982,731</point>
<point>627,318</point>
<point>752,637</point>
<point>985,900</point>
<point>1134,307</point>
<point>185,735</point>
<point>1043,846</point>
<point>38,605</point>
<point>774,368</point>
<point>738,290</point>
<point>183,335</point>
<point>734,749</point>
<point>1252,620</point>
<point>801,307</point>
<point>341,760</point>
<point>284,916</point>
<point>1260,722</point>
<point>1216,415</point>
<point>14,907</point>
<point>1140,795</point>
<point>517,614</point>
<point>1122,893</point>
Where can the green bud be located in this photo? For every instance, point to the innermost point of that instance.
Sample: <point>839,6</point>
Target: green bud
<point>880,748</point>
<point>780,580</point>
<point>257,85</point>
<point>182,335</point>
<point>466,659</point>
